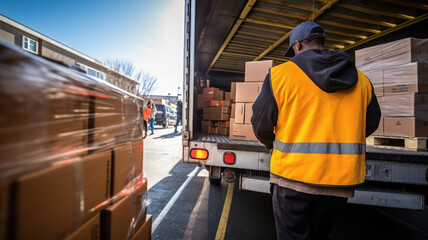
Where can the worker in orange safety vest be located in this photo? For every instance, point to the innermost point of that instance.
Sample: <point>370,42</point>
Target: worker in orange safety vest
<point>314,113</point>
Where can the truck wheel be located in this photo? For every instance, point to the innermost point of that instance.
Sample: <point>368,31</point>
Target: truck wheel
<point>214,181</point>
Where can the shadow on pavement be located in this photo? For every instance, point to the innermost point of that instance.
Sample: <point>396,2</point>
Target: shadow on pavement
<point>169,135</point>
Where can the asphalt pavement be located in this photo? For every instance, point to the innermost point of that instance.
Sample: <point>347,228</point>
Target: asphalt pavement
<point>185,206</point>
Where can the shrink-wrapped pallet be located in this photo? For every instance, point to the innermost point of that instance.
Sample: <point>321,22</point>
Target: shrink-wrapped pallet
<point>394,53</point>
<point>61,133</point>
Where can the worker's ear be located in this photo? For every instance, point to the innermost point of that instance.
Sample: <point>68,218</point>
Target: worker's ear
<point>298,45</point>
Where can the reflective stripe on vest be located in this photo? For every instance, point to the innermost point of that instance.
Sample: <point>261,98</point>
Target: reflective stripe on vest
<point>321,148</point>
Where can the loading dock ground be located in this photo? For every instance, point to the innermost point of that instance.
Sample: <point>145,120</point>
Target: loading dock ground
<point>196,212</point>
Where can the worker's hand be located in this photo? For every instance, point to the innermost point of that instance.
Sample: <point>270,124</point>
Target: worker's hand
<point>271,150</point>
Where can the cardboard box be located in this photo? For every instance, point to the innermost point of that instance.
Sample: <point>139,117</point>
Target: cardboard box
<point>248,91</point>
<point>213,93</point>
<point>132,126</point>
<point>89,230</point>
<point>227,96</point>
<point>50,197</point>
<point>256,71</point>
<point>207,123</point>
<point>394,53</point>
<point>216,103</point>
<point>248,113</point>
<point>223,131</point>
<point>126,165</point>
<point>405,127</point>
<point>232,121</point>
<point>408,78</point>
<point>4,208</point>
<point>107,119</point>
<point>405,105</point>
<point>240,113</point>
<point>145,232</point>
<point>96,175</point>
<point>44,199</point>
<point>205,129</point>
<point>137,157</point>
<point>404,51</point>
<point>116,219</point>
<point>243,113</point>
<point>232,110</point>
<point>120,168</point>
<point>212,130</point>
<point>376,78</point>
<point>56,123</point>
<point>216,113</point>
<point>243,132</point>
<point>223,124</point>
<point>66,121</point>
<point>379,130</point>
<point>370,58</point>
<point>209,91</point>
<point>203,102</point>
<point>233,92</point>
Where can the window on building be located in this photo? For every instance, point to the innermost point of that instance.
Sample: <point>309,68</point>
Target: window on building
<point>29,44</point>
<point>91,72</point>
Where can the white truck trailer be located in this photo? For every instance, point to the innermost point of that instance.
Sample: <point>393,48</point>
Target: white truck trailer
<point>221,35</point>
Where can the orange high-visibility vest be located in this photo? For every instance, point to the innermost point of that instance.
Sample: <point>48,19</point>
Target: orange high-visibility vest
<point>319,136</point>
<point>147,112</point>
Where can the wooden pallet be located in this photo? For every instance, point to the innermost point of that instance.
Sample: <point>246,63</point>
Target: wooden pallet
<point>403,143</point>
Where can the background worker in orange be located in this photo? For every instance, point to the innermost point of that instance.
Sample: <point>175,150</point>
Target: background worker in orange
<point>314,113</point>
<point>147,112</point>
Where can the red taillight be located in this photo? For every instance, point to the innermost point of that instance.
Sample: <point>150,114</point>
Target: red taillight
<point>229,158</point>
<point>198,153</point>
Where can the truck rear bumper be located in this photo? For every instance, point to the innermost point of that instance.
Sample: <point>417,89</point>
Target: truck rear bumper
<point>363,195</point>
<point>388,198</point>
<point>255,184</point>
<point>243,159</point>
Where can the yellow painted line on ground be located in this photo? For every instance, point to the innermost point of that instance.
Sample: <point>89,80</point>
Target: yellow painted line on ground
<point>221,229</point>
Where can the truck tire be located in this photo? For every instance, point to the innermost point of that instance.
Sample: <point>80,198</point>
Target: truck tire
<point>214,181</point>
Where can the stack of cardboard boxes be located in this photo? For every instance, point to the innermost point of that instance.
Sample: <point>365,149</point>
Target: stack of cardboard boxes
<point>215,105</point>
<point>244,94</point>
<point>71,159</point>
<point>399,73</point>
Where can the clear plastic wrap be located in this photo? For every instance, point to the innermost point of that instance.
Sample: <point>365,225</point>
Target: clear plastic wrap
<point>401,79</point>
<point>399,73</point>
<point>394,53</point>
<point>405,105</point>
<point>70,146</point>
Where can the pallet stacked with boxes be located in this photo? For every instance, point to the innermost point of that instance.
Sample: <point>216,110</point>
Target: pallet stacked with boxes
<point>244,94</point>
<point>399,73</point>
<point>215,105</point>
<point>71,154</point>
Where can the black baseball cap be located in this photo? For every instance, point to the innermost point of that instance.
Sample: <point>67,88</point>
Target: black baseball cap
<point>302,32</point>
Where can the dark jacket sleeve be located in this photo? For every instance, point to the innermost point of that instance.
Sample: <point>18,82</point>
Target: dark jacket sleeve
<point>373,115</point>
<point>265,114</point>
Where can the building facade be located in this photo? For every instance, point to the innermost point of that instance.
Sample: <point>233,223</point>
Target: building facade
<point>39,44</point>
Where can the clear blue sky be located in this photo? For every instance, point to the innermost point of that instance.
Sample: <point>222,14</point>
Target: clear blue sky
<point>147,32</point>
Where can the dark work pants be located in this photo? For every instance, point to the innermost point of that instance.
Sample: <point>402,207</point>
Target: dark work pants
<point>303,216</point>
